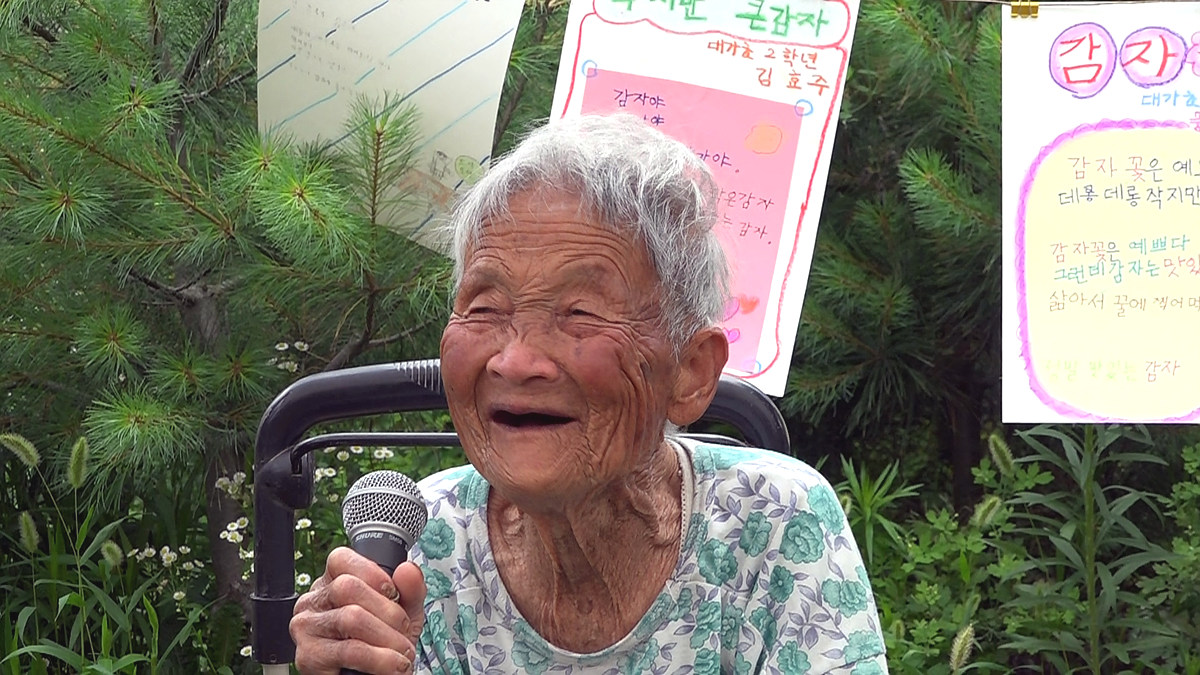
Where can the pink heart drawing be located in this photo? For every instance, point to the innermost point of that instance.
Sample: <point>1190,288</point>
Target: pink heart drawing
<point>731,308</point>
<point>732,334</point>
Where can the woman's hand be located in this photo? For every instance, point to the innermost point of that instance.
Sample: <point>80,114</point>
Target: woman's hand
<point>356,617</point>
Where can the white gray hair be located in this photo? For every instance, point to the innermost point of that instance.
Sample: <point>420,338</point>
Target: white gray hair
<point>636,180</point>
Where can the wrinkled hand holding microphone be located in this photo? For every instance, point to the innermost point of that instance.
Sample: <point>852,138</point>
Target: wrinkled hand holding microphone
<point>383,514</point>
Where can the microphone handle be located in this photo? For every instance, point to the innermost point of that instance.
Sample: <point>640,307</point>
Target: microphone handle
<point>376,548</point>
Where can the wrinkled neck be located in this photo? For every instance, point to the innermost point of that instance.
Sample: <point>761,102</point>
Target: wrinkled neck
<point>599,561</point>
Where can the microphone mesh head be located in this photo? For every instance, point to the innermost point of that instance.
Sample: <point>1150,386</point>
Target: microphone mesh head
<point>387,497</point>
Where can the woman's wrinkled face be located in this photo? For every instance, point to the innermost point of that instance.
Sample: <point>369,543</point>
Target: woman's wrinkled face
<point>557,369</point>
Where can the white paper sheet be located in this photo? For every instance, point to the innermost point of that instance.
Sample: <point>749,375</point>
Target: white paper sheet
<point>446,57</point>
<point>1102,214</point>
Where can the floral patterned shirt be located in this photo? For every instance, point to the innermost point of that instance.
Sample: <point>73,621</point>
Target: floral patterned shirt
<point>769,580</point>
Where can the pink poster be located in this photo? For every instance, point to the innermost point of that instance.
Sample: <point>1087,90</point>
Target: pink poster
<point>750,146</point>
<point>755,93</point>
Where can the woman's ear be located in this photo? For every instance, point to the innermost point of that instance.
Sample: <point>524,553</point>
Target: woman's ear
<point>700,366</point>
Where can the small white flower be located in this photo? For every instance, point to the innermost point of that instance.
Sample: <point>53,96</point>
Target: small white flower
<point>300,345</point>
<point>199,564</point>
<point>303,579</point>
<point>179,596</point>
<point>242,523</point>
<point>133,553</point>
<point>168,558</point>
<point>281,346</point>
<point>356,449</point>
<point>225,534</point>
<point>239,477</point>
<point>148,552</point>
<point>330,472</point>
<point>297,554</point>
<point>245,554</point>
<point>246,651</point>
<point>189,566</point>
<point>343,455</point>
<point>165,550</point>
<point>232,526</point>
<point>236,537</point>
<point>329,450</point>
<point>333,498</point>
<point>383,453</point>
<point>303,524</point>
<point>184,550</point>
<point>223,483</point>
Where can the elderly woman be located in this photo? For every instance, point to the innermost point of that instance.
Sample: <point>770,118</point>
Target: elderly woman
<point>585,536</point>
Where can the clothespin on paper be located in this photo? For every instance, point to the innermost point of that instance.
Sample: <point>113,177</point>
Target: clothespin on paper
<point>1024,9</point>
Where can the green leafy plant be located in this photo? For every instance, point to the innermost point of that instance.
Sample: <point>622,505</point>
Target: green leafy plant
<point>1075,607</point>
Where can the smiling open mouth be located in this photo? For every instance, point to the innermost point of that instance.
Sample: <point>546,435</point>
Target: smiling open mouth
<point>529,420</point>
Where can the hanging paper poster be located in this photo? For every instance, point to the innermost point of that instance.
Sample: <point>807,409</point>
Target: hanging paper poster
<point>754,90</point>
<point>445,57</point>
<point>1102,214</point>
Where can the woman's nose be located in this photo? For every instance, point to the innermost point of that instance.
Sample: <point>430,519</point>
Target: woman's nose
<point>524,355</point>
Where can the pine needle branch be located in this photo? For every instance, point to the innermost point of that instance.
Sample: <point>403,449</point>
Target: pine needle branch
<point>172,293</point>
<point>162,58</point>
<point>355,347</point>
<point>26,379</point>
<point>504,119</point>
<point>40,31</point>
<point>407,333</point>
<point>221,84</point>
<point>218,219</point>
<point>205,44</point>
<point>21,60</point>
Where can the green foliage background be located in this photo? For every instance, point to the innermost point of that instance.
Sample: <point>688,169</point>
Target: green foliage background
<point>164,271</point>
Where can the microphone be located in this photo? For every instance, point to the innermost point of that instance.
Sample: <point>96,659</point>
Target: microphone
<point>383,514</point>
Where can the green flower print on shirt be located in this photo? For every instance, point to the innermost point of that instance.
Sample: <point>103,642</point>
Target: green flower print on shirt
<point>849,597</point>
<point>862,644</point>
<point>438,540</point>
<point>717,562</point>
<point>793,660</point>
<point>472,492</point>
<point>802,539</point>
<point>868,668</point>
<point>824,503</point>
<point>740,665</point>
<point>755,534</point>
<point>468,623</point>
<point>662,608</point>
<point>782,584</point>
<point>529,652</point>
<point>731,624</point>
<point>437,585</point>
<point>708,620</point>
<point>683,605</point>
<point>436,632</point>
<point>708,662</point>
<point>641,658</point>
<point>765,623</point>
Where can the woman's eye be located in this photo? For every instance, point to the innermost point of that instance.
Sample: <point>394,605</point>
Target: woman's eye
<point>479,310</point>
<point>581,312</point>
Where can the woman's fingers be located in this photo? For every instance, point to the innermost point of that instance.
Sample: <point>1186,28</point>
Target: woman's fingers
<point>355,617</point>
<point>409,581</point>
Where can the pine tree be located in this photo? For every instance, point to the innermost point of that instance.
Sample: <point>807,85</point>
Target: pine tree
<point>902,317</point>
<point>164,272</point>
